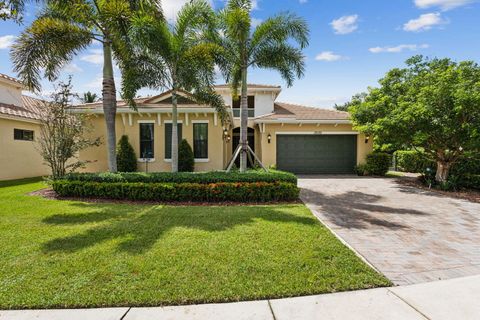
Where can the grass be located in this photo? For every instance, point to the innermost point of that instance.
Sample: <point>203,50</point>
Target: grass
<point>57,254</point>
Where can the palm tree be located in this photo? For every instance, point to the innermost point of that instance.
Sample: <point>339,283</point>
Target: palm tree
<point>62,30</point>
<point>179,57</point>
<point>270,46</point>
<point>89,97</point>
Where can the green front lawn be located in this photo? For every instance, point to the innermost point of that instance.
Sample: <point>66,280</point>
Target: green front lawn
<point>75,254</point>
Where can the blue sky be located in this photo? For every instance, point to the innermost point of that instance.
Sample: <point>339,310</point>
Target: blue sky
<point>352,43</point>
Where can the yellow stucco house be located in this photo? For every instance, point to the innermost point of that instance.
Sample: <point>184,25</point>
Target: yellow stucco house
<point>291,137</point>
<point>19,127</point>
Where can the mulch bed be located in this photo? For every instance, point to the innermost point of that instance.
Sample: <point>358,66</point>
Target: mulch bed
<point>465,194</point>
<point>48,193</point>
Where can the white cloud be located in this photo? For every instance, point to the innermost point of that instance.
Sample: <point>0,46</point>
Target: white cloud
<point>328,56</point>
<point>256,22</point>
<point>172,7</point>
<point>442,4</point>
<point>7,41</point>
<point>254,4</point>
<point>95,56</point>
<point>72,68</point>
<point>424,22</point>
<point>399,48</point>
<point>345,24</point>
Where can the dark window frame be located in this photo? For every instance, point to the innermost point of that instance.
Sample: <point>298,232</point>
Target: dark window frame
<point>168,138</point>
<point>23,134</point>
<point>200,146</point>
<point>144,142</point>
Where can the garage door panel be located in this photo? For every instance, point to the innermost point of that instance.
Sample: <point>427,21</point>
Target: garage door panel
<point>329,154</point>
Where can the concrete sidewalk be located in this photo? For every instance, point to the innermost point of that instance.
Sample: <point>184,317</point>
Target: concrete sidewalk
<point>448,299</point>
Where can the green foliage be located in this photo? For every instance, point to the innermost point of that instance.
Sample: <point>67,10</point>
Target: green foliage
<point>186,177</point>
<point>377,164</point>
<point>89,97</point>
<point>430,105</point>
<point>413,161</point>
<point>126,157</point>
<point>186,161</point>
<point>87,250</point>
<point>361,169</point>
<point>186,192</point>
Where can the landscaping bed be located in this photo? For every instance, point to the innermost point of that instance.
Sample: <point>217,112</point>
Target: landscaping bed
<point>72,254</point>
<point>252,186</point>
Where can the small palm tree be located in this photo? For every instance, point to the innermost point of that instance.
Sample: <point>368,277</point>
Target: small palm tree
<point>62,30</point>
<point>89,97</point>
<point>270,46</point>
<point>178,56</point>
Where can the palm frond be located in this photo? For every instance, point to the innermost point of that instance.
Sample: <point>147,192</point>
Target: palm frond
<point>284,58</point>
<point>47,44</point>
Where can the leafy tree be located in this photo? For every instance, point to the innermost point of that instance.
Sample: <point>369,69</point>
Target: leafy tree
<point>356,99</point>
<point>89,97</point>
<point>180,57</point>
<point>126,157</point>
<point>270,46</point>
<point>62,30</point>
<point>431,105</point>
<point>11,10</point>
<point>186,160</point>
<point>63,134</point>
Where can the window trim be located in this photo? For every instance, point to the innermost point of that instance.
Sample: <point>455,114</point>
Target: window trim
<point>22,134</point>
<point>143,159</point>
<point>165,122</point>
<point>207,142</point>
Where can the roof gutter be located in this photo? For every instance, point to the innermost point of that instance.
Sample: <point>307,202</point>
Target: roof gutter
<point>296,121</point>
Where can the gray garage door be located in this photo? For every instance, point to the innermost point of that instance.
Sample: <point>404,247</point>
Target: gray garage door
<point>328,154</point>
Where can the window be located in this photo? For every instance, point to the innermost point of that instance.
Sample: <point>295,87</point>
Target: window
<point>250,106</point>
<point>168,139</point>
<point>200,140</point>
<point>146,141</point>
<point>19,134</point>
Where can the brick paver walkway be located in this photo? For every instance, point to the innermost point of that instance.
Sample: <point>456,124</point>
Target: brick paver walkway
<point>408,234</point>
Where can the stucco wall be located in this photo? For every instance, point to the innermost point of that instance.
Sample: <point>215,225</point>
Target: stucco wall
<point>269,150</point>
<point>215,142</point>
<point>18,158</point>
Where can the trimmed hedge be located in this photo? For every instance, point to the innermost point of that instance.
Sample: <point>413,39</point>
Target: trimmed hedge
<point>184,192</point>
<point>185,177</point>
<point>412,161</point>
<point>377,163</point>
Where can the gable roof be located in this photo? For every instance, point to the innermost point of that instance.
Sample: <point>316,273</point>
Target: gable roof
<point>288,111</point>
<point>31,108</point>
<point>11,80</point>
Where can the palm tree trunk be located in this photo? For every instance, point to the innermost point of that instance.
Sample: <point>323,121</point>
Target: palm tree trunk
<point>243,121</point>
<point>174,131</point>
<point>109,105</point>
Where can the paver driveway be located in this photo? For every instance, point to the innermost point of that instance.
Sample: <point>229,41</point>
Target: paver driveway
<point>408,234</point>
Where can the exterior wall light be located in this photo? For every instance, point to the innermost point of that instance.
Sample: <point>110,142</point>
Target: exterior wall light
<point>269,138</point>
<point>367,138</point>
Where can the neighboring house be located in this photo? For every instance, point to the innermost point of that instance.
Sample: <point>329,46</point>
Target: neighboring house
<point>291,137</point>
<point>19,127</point>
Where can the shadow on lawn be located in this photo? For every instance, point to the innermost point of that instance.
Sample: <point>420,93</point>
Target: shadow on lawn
<point>357,210</point>
<point>144,225</point>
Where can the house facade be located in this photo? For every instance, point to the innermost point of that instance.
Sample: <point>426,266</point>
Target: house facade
<point>19,129</point>
<point>290,137</point>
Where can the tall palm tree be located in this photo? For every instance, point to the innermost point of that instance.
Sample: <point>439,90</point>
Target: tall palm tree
<point>179,56</point>
<point>62,30</point>
<point>275,44</point>
<point>89,97</point>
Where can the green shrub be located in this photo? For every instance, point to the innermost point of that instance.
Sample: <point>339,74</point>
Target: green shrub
<point>361,169</point>
<point>126,158</point>
<point>471,181</point>
<point>186,161</point>
<point>183,177</point>
<point>188,192</point>
<point>377,163</point>
<point>412,161</point>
